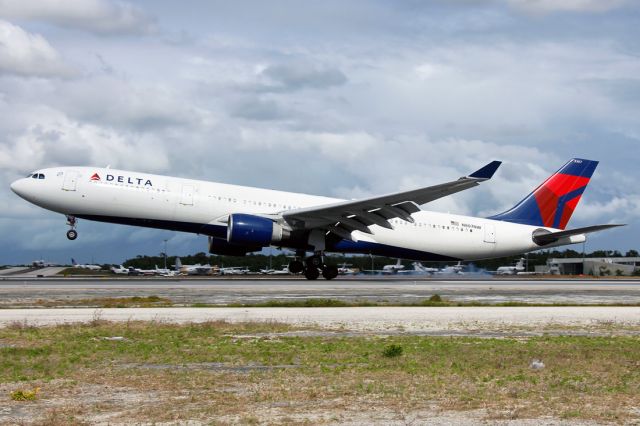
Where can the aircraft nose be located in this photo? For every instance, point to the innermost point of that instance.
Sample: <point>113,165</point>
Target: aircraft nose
<point>18,186</point>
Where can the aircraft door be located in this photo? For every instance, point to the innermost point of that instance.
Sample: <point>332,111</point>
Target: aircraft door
<point>70,180</point>
<point>187,195</point>
<point>489,234</point>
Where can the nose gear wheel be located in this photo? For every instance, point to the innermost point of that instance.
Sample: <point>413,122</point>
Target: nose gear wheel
<point>72,234</point>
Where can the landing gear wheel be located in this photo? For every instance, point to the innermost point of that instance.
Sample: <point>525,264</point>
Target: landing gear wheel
<point>295,266</point>
<point>315,261</point>
<point>311,273</point>
<point>72,234</point>
<point>329,272</point>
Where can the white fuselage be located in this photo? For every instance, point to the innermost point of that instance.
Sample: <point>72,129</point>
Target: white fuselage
<point>199,206</point>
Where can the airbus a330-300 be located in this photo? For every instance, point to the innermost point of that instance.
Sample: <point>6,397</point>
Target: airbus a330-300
<point>239,220</point>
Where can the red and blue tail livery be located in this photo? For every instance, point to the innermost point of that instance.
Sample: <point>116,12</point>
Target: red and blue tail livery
<point>552,203</point>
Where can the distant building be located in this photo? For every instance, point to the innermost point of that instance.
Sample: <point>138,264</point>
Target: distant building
<point>597,266</point>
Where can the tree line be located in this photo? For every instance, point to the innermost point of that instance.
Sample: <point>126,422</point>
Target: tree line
<point>255,262</point>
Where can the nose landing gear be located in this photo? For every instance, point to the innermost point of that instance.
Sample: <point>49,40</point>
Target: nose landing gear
<point>72,234</point>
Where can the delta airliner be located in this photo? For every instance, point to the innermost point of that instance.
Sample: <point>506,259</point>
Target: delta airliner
<point>239,220</point>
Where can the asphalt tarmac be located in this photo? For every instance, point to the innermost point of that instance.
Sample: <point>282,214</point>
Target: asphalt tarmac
<point>28,291</point>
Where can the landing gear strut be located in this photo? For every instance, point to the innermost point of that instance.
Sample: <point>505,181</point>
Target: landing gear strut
<point>72,234</point>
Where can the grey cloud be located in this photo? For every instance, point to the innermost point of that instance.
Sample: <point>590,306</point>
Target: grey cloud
<point>298,76</point>
<point>97,16</point>
<point>547,6</point>
<point>259,109</point>
<point>110,100</point>
<point>626,90</point>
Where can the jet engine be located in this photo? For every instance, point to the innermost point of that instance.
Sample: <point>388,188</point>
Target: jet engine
<point>249,230</point>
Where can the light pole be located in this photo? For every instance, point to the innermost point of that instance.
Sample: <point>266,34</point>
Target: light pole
<point>165,253</point>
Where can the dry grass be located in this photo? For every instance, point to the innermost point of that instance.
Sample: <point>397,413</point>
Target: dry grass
<point>163,372</point>
<point>154,301</point>
<point>107,302</point>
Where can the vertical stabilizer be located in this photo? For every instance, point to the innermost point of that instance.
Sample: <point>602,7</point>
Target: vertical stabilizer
<point>554,201</point>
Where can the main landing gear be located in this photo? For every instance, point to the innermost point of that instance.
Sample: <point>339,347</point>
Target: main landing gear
<point>313,266</point>
<point>72,234</point>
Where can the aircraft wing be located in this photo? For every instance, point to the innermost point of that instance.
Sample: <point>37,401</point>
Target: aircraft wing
<point>344,217</point>
<point>552,237</point>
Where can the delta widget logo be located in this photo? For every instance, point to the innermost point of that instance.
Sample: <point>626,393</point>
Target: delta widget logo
<point>95,177</point>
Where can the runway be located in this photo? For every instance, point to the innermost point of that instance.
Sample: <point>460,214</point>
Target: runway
<point>27,292</point>
<point>30,272</point>
<point>458,321</point>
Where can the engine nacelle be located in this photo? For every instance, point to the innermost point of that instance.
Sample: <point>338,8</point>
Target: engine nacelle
<point>249,230</point>
<point>223,248</point>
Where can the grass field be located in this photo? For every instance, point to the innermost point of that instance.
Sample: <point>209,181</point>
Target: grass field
<point>156,301</point>
<point>273,373</point>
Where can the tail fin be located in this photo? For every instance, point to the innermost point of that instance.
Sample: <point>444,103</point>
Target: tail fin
<point>552,203</point>
<point>73,261</point>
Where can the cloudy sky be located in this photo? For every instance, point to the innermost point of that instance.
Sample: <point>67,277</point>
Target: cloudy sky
<point>334,98</point>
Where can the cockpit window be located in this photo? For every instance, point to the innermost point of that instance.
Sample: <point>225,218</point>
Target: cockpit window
<point>40,176</point>
<point>34,176</point>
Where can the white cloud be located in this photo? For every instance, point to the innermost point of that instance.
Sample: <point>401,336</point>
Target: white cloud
<point>617,209</point>
<point>112,101</point>
<point>26,54</point>
<point>546,6</point>
<point>58,140</point>
<point>96,16</point>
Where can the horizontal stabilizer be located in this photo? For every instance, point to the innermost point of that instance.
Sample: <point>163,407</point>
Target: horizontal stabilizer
<point>552,237</point>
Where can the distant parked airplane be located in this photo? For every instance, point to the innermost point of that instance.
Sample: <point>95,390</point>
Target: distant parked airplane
<point>458,269</point>
<point>120,270</point>
<point>42,264</point>
<point>511,270</point>
<point>196,269</point>
<point>346,269</point>
<point>393,269</point>
<point>90,267</point>
<point>419,269</point>
<point>239,220</point>
<point>235,270</point>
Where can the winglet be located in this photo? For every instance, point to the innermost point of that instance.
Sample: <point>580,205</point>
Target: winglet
<point>487,171</point>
